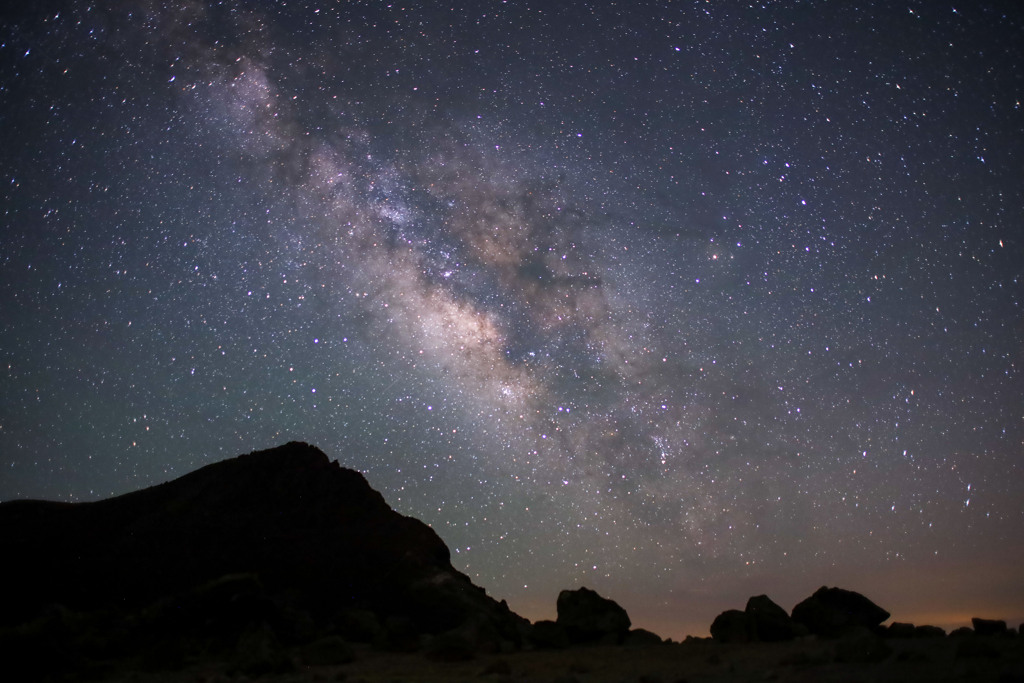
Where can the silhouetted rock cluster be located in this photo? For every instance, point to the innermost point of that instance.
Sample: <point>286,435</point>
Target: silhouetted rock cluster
<point>845,629</point>
<point>762,620</point>
<point>829,612</point>
<point>853,622</point>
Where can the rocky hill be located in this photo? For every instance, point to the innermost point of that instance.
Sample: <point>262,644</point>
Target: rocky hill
<point>281,537</point>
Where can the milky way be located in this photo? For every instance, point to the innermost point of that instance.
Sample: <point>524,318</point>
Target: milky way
<point>682,301</point>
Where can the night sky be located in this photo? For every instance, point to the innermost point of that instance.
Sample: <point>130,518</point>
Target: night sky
<point>680,301</point>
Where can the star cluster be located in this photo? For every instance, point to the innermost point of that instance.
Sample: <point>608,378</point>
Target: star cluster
<point>679,301</point>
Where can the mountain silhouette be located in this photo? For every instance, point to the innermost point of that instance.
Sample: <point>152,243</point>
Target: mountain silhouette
<point>314,535</point>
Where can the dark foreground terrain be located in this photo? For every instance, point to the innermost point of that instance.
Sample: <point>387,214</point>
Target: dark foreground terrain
<point>280,565</point>
<point>695,661</point>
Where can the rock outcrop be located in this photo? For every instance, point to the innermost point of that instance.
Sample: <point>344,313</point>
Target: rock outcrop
<point>761,621</point>
<point>831,612</point>
<point>587,617</point>
<point>771,623</point>
<point>989,627</point>
<point>733,626</point>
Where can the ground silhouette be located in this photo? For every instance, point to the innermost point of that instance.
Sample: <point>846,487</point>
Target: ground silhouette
<point>282,565</point>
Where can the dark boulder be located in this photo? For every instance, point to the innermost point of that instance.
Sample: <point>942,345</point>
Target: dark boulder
<point>926,631</point>
<point>771,623</point>
<point>831,612</point>
<point>733,626</point>
<point>900,630</point>
<point>587,617</point>
<point>640,637</point>
<point>989,627</point>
